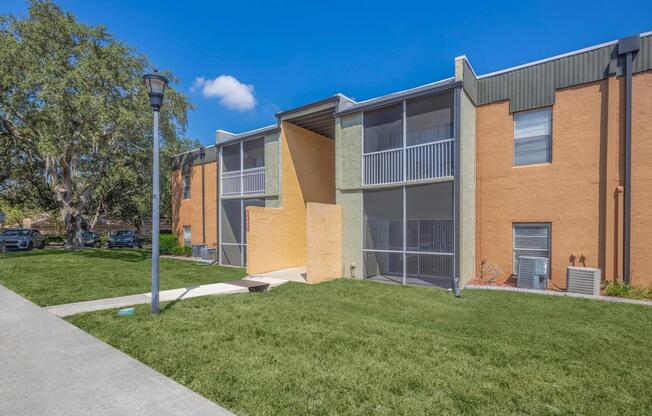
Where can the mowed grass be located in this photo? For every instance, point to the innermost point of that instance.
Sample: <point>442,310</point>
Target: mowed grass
<point>54,276</point>
<point>362,348</point>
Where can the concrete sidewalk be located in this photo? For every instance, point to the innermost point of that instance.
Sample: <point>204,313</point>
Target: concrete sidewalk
<point>50,367</point>
<point>164,296</point>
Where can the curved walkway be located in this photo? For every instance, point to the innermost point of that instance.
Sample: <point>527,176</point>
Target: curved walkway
<point>50,367</point>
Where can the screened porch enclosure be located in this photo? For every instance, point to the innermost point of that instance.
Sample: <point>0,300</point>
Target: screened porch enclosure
<point>409,234</point>
<point>409,141</point>
<point>233,235</point>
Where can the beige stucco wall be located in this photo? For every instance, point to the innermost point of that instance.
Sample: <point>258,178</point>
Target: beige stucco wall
<point>277,237</point>
<point>324,242</point>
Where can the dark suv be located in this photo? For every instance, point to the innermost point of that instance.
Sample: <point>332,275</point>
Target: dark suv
<point>22,239</point>
<point>91,239</point>
<point>125,238</point>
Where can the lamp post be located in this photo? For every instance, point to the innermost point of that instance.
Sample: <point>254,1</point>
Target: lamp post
<point>156,85</point>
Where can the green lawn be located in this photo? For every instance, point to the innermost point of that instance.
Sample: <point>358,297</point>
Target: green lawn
<point>362,348</point>
<point>54,277</point>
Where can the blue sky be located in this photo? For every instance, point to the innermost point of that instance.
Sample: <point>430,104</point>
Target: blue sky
<point>279,55</point>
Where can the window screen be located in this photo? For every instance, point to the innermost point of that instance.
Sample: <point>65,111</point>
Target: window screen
<point>383,129</point>
<point>231,158</point>
<point>532,136</point>
<point>530,240</point>
<point>187,235</point>
<point>253,155</point>
<point>429,119</point>
<point>187,179</point>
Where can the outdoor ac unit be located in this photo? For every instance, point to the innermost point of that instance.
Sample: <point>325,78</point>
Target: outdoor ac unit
<point>584,280</point>
<point>196,249</point>
<point>532,272</point>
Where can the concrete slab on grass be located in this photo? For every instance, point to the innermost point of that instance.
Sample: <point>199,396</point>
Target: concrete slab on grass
<point>50,367</point>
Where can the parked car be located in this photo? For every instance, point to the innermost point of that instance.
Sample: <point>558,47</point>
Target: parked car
<point>22,239</point>
<point>125,238</point>
<point>91,239</point>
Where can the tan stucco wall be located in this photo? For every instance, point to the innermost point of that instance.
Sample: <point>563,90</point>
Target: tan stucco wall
<point>189,211</point>
<point>324,242</point>
<point>580,192</point>
<point>277,237</point>
<point>641,249</point>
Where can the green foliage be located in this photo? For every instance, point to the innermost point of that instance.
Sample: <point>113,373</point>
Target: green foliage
<point>622,290</point>
<point>181,251</point>
<point>54,276</point>
<point>359,348</point>
<point>55,239</point>
<point>167,242</point>
<point>75,120</point>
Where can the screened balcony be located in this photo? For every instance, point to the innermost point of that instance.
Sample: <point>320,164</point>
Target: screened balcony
<point>243,168</point>
<point>409,141</point>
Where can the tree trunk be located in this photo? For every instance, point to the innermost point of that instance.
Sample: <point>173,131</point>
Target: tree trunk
<point>73,231</point>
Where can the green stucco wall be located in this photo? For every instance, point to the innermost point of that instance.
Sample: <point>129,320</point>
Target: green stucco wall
<point>348,151</point>
<point>272,164</point>
<point>467,167</point>
<point>351,203</point>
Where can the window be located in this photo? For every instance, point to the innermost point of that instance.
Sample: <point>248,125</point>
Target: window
<point>532,142</point>
<point>187,179</point>
<point>187,235</point>
<point>530,240</point>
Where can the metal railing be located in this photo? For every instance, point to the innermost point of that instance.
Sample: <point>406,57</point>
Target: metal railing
<point>424,161</point>
<point>244,182</point>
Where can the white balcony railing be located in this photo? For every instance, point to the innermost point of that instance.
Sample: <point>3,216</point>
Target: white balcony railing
<point>424,161</point>
<point>244,182</point>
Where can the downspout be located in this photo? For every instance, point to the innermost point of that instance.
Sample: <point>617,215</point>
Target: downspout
<point>202,153</point>
<point>626,49</point>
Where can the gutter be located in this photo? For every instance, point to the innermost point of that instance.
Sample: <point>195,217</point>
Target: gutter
<point>626,49</point>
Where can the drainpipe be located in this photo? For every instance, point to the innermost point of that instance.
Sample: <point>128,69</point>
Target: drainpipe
<point>626,49</point>
<point>202,153</point>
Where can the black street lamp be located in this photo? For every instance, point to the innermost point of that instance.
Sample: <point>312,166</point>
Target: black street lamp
<point>156,85</point>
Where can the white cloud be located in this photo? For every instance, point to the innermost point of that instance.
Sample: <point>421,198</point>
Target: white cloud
<point>231,92</point>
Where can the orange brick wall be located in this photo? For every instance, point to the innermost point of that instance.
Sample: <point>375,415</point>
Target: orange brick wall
<point>189,211</point>
<point>579,193</point>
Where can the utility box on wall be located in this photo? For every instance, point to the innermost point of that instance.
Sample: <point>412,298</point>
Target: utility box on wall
<point>585,280</point>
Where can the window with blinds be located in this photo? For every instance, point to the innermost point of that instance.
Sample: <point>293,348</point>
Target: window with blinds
<point>532,142</point>
<point>187,235</point>
<point>530,240</point>
<point>187,178</point>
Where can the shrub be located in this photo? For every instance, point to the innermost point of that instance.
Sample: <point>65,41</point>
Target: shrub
<point>181,251</point>
<point>56,239</point>
<point>167,243</point>
<point>623,290</point>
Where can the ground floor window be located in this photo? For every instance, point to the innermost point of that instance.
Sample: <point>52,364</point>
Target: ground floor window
<point>530,240</point>
<point>408,234</point>
<point>187,235</point>
<point>233,235</point>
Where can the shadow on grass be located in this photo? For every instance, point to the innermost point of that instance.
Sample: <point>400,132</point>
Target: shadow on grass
<point>128,255</point>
